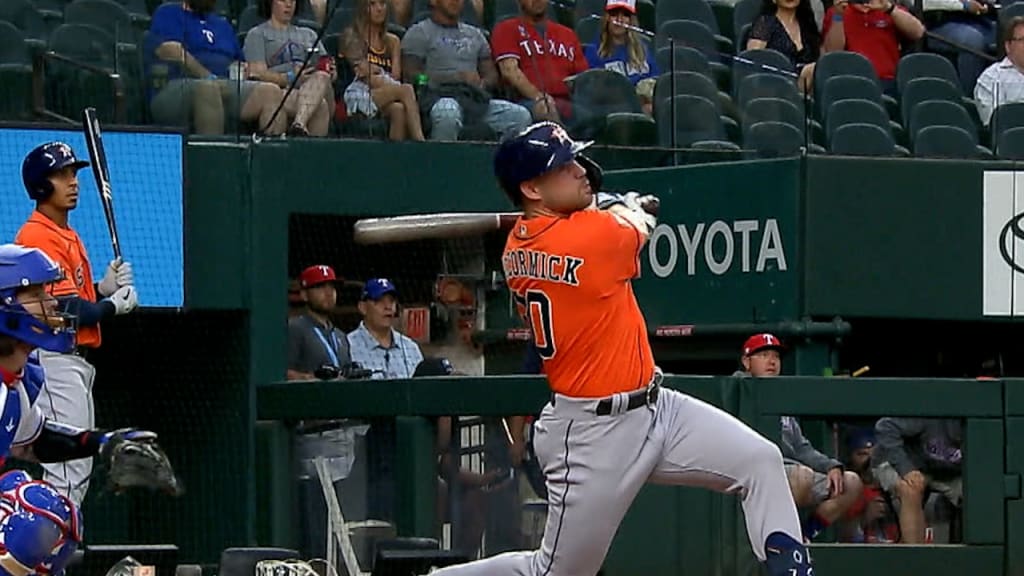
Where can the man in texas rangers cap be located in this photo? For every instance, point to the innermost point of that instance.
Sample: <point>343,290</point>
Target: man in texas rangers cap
<point>313,339</point>
<point>818,482</point>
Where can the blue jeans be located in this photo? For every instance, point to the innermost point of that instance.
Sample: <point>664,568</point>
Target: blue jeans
<point>502,116</point>
<point>976,33</point>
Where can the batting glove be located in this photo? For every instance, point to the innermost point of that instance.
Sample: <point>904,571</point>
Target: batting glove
<point>124,274</point>
<point>125,299</point>
<point>109,284</point>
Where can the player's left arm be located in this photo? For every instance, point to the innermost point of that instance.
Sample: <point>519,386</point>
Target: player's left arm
<point>56,442</point>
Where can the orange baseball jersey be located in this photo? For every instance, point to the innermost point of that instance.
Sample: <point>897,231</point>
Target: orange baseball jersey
<point>570,278</point>
<point>65,247</point>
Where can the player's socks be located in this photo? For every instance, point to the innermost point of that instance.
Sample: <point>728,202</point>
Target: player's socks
<point>813,526</point>
<point>786,556</point>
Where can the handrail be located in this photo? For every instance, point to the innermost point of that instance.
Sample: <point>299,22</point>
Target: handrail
<point>39,89</point>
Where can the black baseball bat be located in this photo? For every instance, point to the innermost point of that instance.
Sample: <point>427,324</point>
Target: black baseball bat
<point>98,155</point>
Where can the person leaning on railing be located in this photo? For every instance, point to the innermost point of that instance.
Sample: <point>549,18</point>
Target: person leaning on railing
<point>196,72</point>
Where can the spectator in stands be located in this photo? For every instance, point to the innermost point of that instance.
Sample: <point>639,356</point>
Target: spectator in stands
<point>456,58</point>
<point>196,71</point>
<point>375,344</point>
<point>1003,81</point>
<point>965,22</point>
<point>818,482</point>
<point>620,49</point>
<point>296,305</point>
<point>789,27</point>
<point>376,58</point>
<point>276,50</point>
<point>870,519</point>
<point>873,30</point>
<point>915,456</point>
<point>535,56</point>
<point>313,339</point>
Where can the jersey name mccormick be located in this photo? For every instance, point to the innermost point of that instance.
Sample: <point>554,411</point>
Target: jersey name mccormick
<point>542,266</point>
<point>65,247</point>
<point>570,278</point>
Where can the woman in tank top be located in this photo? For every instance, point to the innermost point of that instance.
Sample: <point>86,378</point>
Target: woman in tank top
<point>375,57</point>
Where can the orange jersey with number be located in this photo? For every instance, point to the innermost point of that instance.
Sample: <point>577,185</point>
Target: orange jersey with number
<point>571,280</point>
<point>64,247</point>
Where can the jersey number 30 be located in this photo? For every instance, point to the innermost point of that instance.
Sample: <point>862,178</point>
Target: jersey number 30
<point>535,307</point>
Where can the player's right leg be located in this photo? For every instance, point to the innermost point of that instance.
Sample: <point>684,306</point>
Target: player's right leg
<point>594,466</point>
<point>66,397</point>
<point>708,447</point>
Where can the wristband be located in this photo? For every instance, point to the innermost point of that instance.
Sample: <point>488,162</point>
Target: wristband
<point>290,75</point>
<point>211,77</point>
<point>837,17</point>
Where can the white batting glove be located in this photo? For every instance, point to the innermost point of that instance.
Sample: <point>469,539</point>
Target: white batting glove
<point>109,284</point>
<point>124,275</point>
<point>633,210</point>
<point>125,299</point>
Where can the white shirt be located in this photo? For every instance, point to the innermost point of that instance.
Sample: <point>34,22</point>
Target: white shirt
<point>1000,83</point>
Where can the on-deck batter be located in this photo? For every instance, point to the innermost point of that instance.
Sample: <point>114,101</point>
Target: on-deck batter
<point>50,175</point>
<point>610,428</point>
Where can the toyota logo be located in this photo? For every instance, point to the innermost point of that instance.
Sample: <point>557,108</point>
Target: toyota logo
<point>1014,225</point>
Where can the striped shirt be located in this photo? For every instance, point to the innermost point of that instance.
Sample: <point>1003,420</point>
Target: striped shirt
<point>398,361</point>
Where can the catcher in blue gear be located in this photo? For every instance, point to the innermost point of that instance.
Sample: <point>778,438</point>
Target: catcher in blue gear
<point>39,528</point>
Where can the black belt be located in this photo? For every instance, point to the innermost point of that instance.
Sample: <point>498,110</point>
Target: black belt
<point>637,399</point>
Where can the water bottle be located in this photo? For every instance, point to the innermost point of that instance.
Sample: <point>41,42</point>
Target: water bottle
<point>421,85</point>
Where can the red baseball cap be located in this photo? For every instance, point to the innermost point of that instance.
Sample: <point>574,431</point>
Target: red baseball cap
<point>759,342</point>
<point>316,275</point>
<point>627,5</point>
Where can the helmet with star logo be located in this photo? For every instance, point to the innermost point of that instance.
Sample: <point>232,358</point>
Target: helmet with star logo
<point>538,149</point>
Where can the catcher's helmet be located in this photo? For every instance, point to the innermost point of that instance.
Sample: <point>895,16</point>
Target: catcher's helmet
<point>44,160</point>
<point>21,267</point>
<point>538,149</point>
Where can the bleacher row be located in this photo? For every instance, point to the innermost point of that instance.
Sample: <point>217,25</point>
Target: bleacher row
<point>721,101</point>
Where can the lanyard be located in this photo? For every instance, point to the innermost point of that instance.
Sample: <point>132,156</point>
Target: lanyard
<point>332,351</point>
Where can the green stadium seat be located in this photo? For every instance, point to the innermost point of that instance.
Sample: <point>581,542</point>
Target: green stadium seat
<point>629,129</point>
<point>70,87</point>
<point>106,15</point>
<point>1006,117</point>
<point>686,60</point>
<point>850,64</point>
<point>862,140</point>
<point>697,120</point>
<point>772,110</point>
<point>595,94</point>
<point>845,87</point>
<point>749,62</point>
<point>770,139</point>
<point>858,111</point>
<point>1010,144</point>
<point>28,20</point>
<point>946,142</point>
<point>15,74</point>
<point>926,88</point>
<point>925,65</point>
<point>588,30</point>
<point>341,20</point>
<point>688,33</point>
<point>765,85</point>
<point>939,113</point>
<point>743,16</point>
<point>697,11</point>
<point>249,19</point>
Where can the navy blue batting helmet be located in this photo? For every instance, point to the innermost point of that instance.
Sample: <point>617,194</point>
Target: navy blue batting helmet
<point>44,160</point>
<point>538,149</point>
<point>20,268</point>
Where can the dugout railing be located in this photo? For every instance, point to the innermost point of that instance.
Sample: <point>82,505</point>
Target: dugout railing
<point>683,531</point>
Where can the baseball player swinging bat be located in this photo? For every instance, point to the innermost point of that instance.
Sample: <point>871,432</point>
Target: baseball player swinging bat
<point>98,155</point>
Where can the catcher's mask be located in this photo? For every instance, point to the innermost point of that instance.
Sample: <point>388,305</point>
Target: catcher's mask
<point>28,310</point>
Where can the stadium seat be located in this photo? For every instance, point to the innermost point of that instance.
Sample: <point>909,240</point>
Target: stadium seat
<point>858,111</point>
<point>845,87</point>
<point>763,85</point>
<point>15,74</point>
<point>945,142</point>
<point>1006,117</point>
<point>588,30</point>
<point>629,129</point>
<point>341,19</point>
<point>762,61</point>
<point>1010,144</point>
<point>84,43</point>
<point>862,140</point>
<point>106,15</point>
<point>925,65</point>
<point>743,16</point>
<point>28,20</point>
<point>773,139</point>
<point>697,120</point>
<point>688,33</point>
<point>850,64</point>
<point>249,19</point>
<point>939,113</point>
<point>772,110</point>
<point>926,88</point>
<point>687,60</point>
<point>695,84</point>
<point>595,94</point>
<point>587,7</point>
<point>696,11</point>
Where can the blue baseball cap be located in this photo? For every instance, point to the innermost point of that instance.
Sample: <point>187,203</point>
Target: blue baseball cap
<point>861,438</point>
<point>376,288</point>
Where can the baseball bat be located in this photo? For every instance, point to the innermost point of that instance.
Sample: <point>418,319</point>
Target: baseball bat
<point>98,155</point>
<point>431,226</point>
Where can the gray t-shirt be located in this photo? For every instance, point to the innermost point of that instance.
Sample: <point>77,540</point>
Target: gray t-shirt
<point>281,48</point>
<point>446,50</point>
<point>310,345</point>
